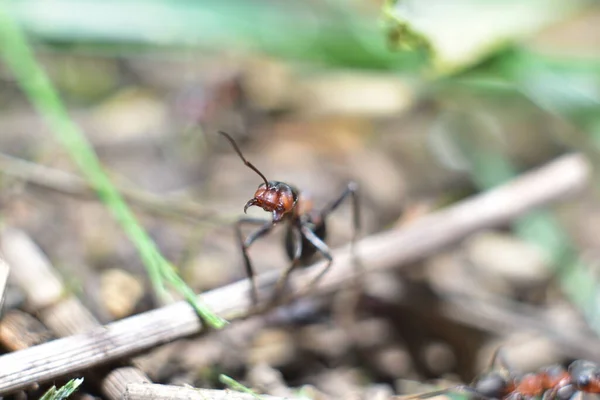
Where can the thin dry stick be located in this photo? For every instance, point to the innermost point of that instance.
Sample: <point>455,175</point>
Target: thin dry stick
<point>64,315</point>
<point>70,184</point>
<point>391,249</point>
<point>136,391</point>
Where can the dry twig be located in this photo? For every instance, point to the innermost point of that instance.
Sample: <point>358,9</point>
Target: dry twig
<point>70,184</point>
<point>136,391</point>
<point>385,250</point>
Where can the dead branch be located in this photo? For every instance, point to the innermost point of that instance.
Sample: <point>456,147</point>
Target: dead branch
<point>137,391</point>
<point>391,249</point>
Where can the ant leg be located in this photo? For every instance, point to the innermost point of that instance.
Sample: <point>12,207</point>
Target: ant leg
<point>351,190</point>
<point>321,247</point>
<point>266,226</point>
<point>283,279</point>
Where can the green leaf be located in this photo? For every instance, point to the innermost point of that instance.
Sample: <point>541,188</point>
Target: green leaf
<point>331,33</point>
<point>460,33</point>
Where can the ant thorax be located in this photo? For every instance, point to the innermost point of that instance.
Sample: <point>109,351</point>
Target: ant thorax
<point>305,204</point>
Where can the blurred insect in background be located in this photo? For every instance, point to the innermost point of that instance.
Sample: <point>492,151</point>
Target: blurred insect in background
<point>549,383</point>
<point>305,227</point>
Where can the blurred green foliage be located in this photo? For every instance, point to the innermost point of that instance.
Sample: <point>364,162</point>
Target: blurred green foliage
<point>325,32</point>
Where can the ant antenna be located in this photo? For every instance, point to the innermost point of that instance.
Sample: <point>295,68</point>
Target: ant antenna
<point>248,163</point>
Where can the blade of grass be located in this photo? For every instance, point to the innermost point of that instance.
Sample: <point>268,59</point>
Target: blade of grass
<point>64,392</point>
<point>39,89</point>
<point>235,385</point>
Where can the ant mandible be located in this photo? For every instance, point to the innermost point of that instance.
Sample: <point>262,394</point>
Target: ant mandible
<point>305,229</point>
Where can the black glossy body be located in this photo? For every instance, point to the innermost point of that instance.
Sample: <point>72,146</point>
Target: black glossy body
<point>308,249</point>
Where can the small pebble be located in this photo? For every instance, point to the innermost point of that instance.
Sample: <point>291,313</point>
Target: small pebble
<point>274,347</point>
<point>120,292</point>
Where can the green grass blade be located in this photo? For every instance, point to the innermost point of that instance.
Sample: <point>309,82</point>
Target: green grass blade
<point>39,89</point>
<point>64,392</point>
<point>235,385</point>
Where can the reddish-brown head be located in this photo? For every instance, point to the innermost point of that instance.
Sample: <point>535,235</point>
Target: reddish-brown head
<point>585,376</point>
<point>276,197</point>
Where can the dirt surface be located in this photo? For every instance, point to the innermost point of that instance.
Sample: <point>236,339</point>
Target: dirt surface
<point>154,126</point>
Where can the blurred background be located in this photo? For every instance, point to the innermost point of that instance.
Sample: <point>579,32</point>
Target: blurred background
<point>422,103</point>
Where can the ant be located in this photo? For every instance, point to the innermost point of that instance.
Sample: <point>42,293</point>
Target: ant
<point>305,227</point>
<point>550,383</point>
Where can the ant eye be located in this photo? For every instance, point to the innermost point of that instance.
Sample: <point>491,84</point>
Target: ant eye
<point>584,380</point>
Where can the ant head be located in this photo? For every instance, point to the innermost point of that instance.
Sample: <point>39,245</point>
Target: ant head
<point>276,197</point>
<point>492,385</point>
<point>584,379</point>
<point>585,375</point>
